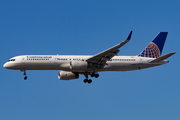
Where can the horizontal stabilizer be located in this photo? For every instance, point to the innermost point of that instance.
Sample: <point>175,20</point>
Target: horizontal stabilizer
<point>163,57</point>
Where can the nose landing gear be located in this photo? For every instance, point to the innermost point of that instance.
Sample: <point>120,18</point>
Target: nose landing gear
<point>25,77</point>
<point>24,73</point>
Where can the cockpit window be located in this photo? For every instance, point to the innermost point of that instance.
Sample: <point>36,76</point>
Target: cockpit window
<point>11,60</point>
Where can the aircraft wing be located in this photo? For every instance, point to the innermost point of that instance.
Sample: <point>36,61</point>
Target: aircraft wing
<point>101,58</point>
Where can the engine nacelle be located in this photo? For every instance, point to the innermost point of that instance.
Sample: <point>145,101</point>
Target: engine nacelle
<point>64,75</point>
<point>76,65</point>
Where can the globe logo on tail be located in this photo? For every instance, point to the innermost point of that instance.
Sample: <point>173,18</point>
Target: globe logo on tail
<point>151,51</point>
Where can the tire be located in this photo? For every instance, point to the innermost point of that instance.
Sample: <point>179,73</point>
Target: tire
<point>89,81</point>
<point>25,77</point>
<point>97,75</point>
<point>85,80</point>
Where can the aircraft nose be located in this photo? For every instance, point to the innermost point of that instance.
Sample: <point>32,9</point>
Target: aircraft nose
<point>6,65</point>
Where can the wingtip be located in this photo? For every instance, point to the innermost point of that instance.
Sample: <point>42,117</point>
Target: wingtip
<point>129,36</point>
<point>173,53</point>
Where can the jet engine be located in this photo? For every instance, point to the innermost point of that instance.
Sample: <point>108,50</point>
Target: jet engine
<point>64,75</point>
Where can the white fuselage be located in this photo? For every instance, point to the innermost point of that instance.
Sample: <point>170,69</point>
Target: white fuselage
<point>73,65</point>
<point>62,62</point>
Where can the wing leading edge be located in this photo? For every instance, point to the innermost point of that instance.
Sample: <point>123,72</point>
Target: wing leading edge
<point>102,57</point>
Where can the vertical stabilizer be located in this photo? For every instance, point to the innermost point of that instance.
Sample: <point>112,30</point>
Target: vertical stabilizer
<point>154,49</point>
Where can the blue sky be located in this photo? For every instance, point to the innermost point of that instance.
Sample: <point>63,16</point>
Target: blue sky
<point>87,28</point>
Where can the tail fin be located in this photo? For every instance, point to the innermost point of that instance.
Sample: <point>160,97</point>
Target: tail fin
<point>154,49</point>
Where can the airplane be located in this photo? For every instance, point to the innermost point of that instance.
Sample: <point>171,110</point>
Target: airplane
<point>72,66</point>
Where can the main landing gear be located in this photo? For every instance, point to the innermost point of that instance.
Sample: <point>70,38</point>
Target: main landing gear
<point>87,81</point>
<point>24,73</point>
<point>92,75</point>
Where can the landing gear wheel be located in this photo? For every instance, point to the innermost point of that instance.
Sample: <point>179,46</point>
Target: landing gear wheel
<point>96,75</point>
<point>92,75</point>
<point>85,80</point>
<point>89,81</point>
<point>86,75</point>
<point>25,77</point>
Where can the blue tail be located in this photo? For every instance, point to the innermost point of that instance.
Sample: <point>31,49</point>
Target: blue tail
<point>154,49</point>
